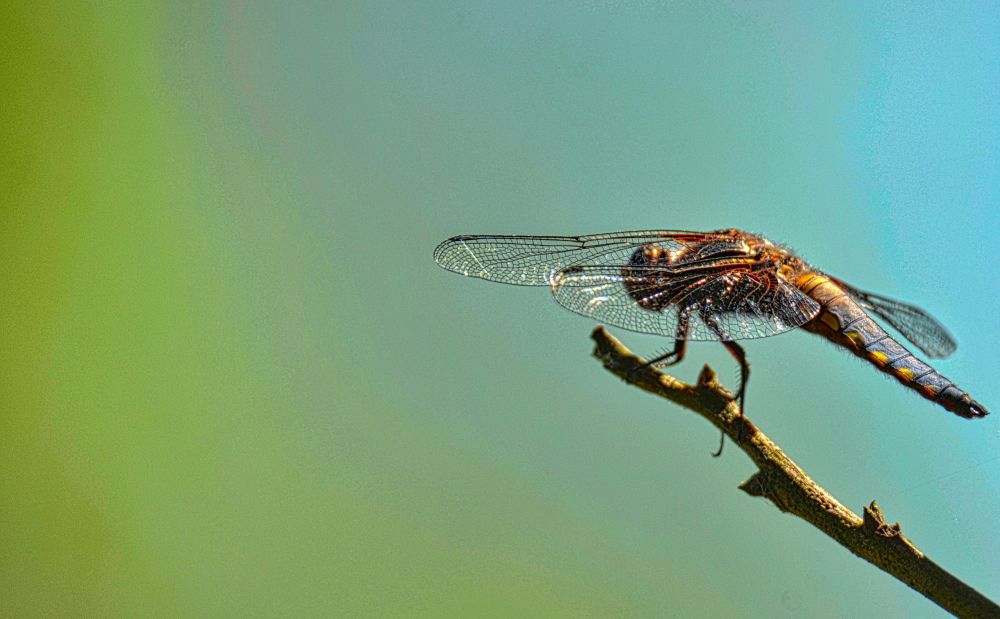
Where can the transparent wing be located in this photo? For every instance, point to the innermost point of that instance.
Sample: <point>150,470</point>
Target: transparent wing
<point>740,301</point>
<point>536,260</point>
<point>913,323</point>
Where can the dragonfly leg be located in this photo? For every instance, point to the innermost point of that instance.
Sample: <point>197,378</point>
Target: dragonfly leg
<point>741,357</point>
<point>676,355</point>
<point>673,357</point>
<point>737,351</point>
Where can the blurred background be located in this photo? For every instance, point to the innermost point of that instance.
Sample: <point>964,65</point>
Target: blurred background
<point>234,382</point>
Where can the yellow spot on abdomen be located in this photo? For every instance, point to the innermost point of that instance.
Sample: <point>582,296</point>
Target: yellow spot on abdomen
<point>878,357</point>
<point>856,338</point>
<point>830,320</point>
<point>904,373</point>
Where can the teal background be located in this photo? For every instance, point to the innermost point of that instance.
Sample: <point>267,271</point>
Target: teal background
<point>233,381</point>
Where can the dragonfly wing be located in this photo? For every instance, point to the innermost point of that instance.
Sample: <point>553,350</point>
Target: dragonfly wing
<point>742,303</point>
<point>913,323</point>
<point>536,260</point>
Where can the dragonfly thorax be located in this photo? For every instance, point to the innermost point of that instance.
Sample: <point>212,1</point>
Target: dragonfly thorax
<point>643,275</point>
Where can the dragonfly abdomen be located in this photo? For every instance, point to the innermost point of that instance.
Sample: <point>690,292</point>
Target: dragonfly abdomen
<point>844,322</point>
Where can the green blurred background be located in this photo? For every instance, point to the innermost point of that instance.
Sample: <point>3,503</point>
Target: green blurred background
<point>233,381</point>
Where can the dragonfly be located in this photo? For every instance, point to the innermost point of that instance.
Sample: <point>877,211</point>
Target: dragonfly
<point>725,286</point>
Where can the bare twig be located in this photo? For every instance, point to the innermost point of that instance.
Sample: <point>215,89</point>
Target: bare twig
<point>787,486</point>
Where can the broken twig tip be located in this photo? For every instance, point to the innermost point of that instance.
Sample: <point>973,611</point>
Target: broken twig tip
<point>874,521</point>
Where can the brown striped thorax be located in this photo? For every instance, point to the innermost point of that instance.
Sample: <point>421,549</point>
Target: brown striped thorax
<point>725,285</point>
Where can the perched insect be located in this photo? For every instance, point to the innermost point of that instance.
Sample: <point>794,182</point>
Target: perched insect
<point>725,286</point>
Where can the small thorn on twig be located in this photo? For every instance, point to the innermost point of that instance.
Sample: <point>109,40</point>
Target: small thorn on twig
<point>754,485</point>
<point>708,378</point>
<point>759,484</point>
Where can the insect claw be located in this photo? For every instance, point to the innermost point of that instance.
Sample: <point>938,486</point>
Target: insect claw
<point>722,442</point>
